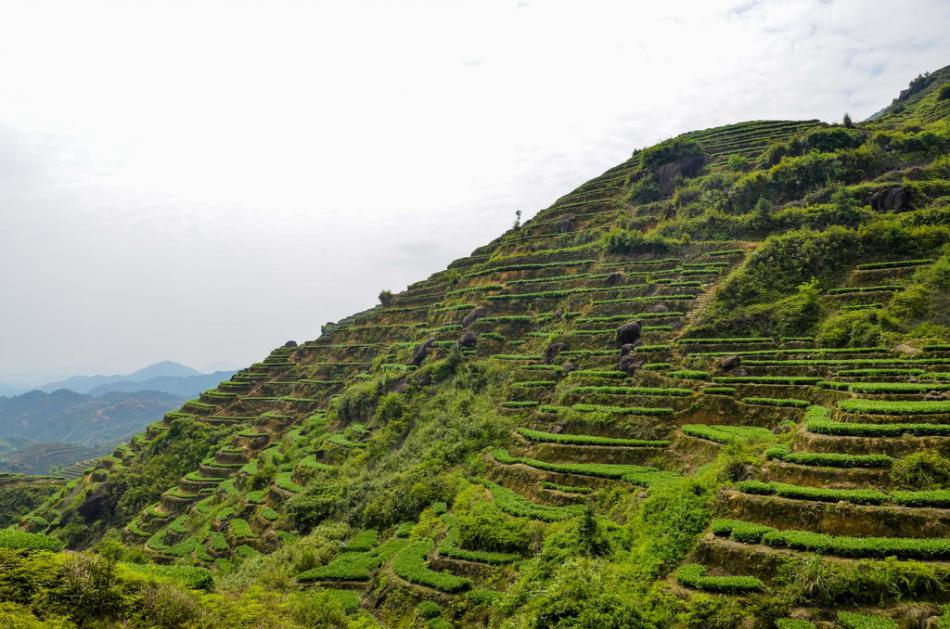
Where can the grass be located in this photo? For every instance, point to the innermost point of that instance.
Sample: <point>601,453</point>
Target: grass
<point>727,434</point>
<point>892,407</point>
<point>587,440</point>
<point>840,545</point>
<point>694,576</point>
<point>410,564</point>
<point>783,402</point>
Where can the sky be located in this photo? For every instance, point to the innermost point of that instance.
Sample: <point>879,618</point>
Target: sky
<point>201,181</point>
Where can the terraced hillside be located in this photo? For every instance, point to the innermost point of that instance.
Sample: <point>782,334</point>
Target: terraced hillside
<point>710,387</point>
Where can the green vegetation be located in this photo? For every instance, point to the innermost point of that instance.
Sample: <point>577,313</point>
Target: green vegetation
<point>888,407</point>
<point>727,434</point>
<point>589,440</point>
<point>841,545</point>
<point>410,564</point>
<point>334,482</point>
<point>694,576</point>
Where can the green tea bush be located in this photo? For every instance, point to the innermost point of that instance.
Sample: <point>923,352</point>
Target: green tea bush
<point>768,401</point>
<point>853,620</point>
<point>694,576</point>
<point>646,391</point>
<point>895,407</point>
<point>410,564</point>
<point>727,434</point>
<point>588,440</point>
<point>515,504</point>
<point>828,459</point>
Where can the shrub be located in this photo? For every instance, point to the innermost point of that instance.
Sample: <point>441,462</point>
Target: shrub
<point>921,470</point>
<point>429,609</point>
<point>20,540</point>
<point>621,241</point>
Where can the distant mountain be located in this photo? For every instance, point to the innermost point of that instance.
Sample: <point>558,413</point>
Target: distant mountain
<point>11,444</point>
<point>184,386</point>
<point>85,384</point>
<point>68,417</point>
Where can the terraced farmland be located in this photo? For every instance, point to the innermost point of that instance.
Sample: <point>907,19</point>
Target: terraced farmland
<point>713,395</point>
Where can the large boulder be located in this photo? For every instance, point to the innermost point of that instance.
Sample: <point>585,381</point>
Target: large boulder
<point>627,348</point>
<point>568,367</point>
<point>629,364</point>
<point>893,199</point>
<point>422,350</point>
<point>553,350</point>
<point>629,332</point>
<point>472,316</point>
<point>290,344</point>
<point>468,340</point>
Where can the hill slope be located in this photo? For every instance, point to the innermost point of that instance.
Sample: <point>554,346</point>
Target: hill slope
<point>709,385</point>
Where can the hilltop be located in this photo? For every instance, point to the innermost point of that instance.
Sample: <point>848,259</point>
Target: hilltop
<point>708,388</point>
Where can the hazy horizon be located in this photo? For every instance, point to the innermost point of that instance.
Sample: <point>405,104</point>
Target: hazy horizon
<point>200,182</point>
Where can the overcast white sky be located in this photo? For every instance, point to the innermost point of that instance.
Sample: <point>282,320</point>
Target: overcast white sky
<point>200,181</point>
